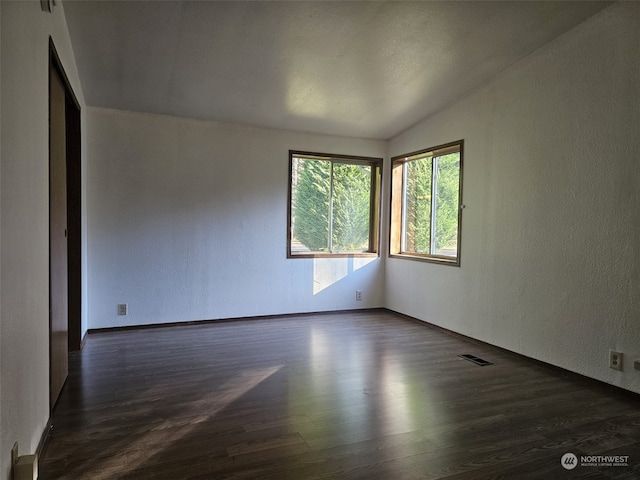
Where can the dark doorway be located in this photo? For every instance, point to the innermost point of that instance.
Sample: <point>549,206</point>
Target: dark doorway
<point>65,298</point>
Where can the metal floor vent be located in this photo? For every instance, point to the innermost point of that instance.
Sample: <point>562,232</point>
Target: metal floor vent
<point>474,359</point>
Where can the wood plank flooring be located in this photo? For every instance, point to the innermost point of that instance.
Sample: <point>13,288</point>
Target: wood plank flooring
<point>363,395</point>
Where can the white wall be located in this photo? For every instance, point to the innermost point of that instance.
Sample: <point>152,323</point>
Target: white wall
<point>188,221</point>
<point>551,233</point>
<point>24,217</point>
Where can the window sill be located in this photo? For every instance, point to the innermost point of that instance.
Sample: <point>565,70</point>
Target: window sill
<point>334,255</point>
<point>453,262</point>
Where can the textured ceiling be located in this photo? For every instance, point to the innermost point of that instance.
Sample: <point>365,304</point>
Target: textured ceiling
<point>360,69</point>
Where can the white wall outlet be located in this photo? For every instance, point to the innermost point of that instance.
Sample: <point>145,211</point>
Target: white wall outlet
<point>615,360</point>
<point>359,295</point>
<point>122,308</point>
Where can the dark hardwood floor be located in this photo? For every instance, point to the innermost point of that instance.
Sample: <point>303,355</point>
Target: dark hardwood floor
<point>364,395</point>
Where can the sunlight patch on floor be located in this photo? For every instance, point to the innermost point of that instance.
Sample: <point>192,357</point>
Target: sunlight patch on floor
<point>171,431</point>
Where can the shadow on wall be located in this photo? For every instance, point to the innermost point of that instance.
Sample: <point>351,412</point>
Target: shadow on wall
<point>327,271</point>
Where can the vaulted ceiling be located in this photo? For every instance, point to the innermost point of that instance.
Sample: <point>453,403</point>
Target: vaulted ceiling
<point>361,69</point>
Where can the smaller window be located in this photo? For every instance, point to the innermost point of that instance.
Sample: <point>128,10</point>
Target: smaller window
<point>426,195</point>
<point>333,205</point>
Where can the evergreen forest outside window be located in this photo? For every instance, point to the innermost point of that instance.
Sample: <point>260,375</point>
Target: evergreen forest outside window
<point>426,209</point>
<point>334,205</point>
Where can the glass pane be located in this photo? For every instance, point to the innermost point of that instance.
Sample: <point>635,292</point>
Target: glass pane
<point>446,208</point>
<point>417,206</point>
<point>310,192</point>
<point>351,203</point>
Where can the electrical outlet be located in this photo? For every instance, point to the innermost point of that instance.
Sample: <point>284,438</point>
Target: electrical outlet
<point>359,295</point>
<point>122,309</point>
<point>14,454</point>
<point>615,360</point>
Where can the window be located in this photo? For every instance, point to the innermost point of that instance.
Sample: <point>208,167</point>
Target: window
<point>426,195</point>
<point>333,205</point>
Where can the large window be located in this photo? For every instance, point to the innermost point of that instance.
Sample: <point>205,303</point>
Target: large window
<point>426,195</point>
<point>333,205</point>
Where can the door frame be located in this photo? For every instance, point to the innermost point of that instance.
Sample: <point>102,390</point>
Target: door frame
<point>74,205</point>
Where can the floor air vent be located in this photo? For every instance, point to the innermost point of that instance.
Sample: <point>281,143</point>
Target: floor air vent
<point>476,360</point>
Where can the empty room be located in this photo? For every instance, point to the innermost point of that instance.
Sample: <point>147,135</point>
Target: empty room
<point>319,239</point>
